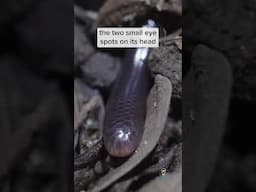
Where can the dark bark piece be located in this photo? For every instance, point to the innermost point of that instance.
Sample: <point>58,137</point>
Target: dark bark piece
<point>207,90</point>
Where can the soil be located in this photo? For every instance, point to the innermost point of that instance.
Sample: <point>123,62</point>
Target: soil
<point>161,146</point>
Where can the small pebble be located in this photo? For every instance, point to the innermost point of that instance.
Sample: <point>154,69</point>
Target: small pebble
<point>98,168</point>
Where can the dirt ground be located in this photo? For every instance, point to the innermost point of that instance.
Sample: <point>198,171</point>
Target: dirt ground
<point>225,33</point>
<point>161,147</point>
<point>214,53</point>
<point>227,28</point>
